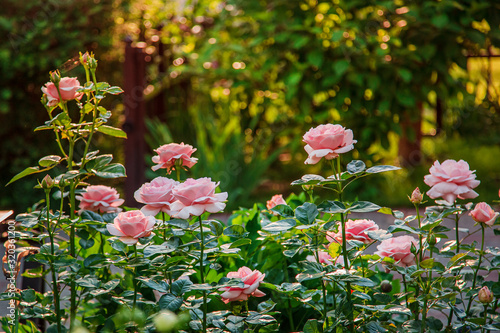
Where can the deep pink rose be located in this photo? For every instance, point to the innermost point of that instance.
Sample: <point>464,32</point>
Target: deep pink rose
<point>100,199</point>
<point>483,213</point>
<point>196,196</point>
<point>67,87</point>
<point>275,200</point>
<point>131,225</point>
<point>157,195</point>
<point>250,278</point>
<point>169,154</point>
<point>354,230</point>
<point>327,141</point>
<point>450,180</point>
<point>399,249</point>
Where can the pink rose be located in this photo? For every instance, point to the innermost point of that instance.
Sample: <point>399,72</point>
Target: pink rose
<point>327,141</point>
<point>250,278</point>
<point>169,154</point>
<point>67,87</point>
<point>484,214</point>
<point>275,200</point>
<point>450,180</point>
<point>399,249</point>
<point>325,258</point>
<point>100,199</point>
<point>196,196</point>
<point>157,195</point>
<point>485,295</point>
<point>354,230</point>
<point>131,225</point>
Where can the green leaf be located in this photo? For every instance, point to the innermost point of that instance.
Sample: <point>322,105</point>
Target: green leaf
<point>283,210</point>
<point>24,173</point>
<point>49,161</point>
<point>341,66</point>
<point>332,207</point>
<point>94,260</point>
<point>306,213</point>
<point>216,227</point>
<point>181,286</point>
<point>280,226</point>
<point>240,242</point>
<point>99,162</point>
<point>334,249</point>
<point>182,224</point>
<point>86,243</point>
<point>91,216</point>
<point>355,167</point>
<point>308,180</point>
<point>382,168</point>
<point>161,286</point>
<point>363,207</point>
<point>170,302</point>
<point>157,249</point>
<point>427,263</point>
<point>114,170</point>
<point>235,230</point>
<point>112,131</point>
<point>28,295</point>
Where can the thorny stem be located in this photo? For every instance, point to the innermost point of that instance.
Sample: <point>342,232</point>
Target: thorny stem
<point>289,308</point>
<point>485,316</point>
<point>478,267</point>
<point>134,280</point>
<point>55,289</point>
<point>202,245</point>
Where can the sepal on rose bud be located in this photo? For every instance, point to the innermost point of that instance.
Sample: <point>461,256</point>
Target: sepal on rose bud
<point>47,182</point>
<point>55,77</point>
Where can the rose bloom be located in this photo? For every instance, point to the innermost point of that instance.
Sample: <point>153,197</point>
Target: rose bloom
<point>354,230</point>
<point>157,195</point>
<point>399,249</point>
<point>170,153</point>
<point>450,180</point>
<point>67,87</point>
<point>100,199</point>
<point>327,141</point>
<point>325,258</point>
<point>196,196</point>
<point>483,213</point>
<point>131,225</point>
<point>275,200</point>
<point>250,278</point>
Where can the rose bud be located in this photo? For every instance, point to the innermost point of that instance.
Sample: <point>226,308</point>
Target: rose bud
<point>416,197</point>
<point>485,295</point>
<point>483,213</point>
<point>386,286</point>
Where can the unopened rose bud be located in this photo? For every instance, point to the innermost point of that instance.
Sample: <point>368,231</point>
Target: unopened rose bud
<point>432,240</point>
<point>165,321</point>
<point>416,197</point>
<point>45,99</point>
<point>47,182</point>
<point>55,77</point>
<point>92,63</point>
<point>386,286</point>
<point>485,295</point>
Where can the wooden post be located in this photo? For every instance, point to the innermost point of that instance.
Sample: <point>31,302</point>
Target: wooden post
<point>135,112</point>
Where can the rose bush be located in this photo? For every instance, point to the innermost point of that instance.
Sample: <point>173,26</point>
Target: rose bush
<point>172,267</point>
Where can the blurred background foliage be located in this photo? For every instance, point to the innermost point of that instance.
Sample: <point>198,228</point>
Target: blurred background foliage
<point>243,81</point>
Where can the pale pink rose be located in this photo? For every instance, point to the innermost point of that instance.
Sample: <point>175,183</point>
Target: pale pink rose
<point>197,196</point>
<point>354,230</point>
<point>250,278</point>
<point>325,258</point>
<point>170,153</point>
<point>131,225</point>
<point>157,195</point>
<point>450,180</point>
<point>327,141</point>
<point>100,199</point>
<point>275,200</point>
<point>67,87</point>
<point>483,213</point>
<point>399,249</point>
